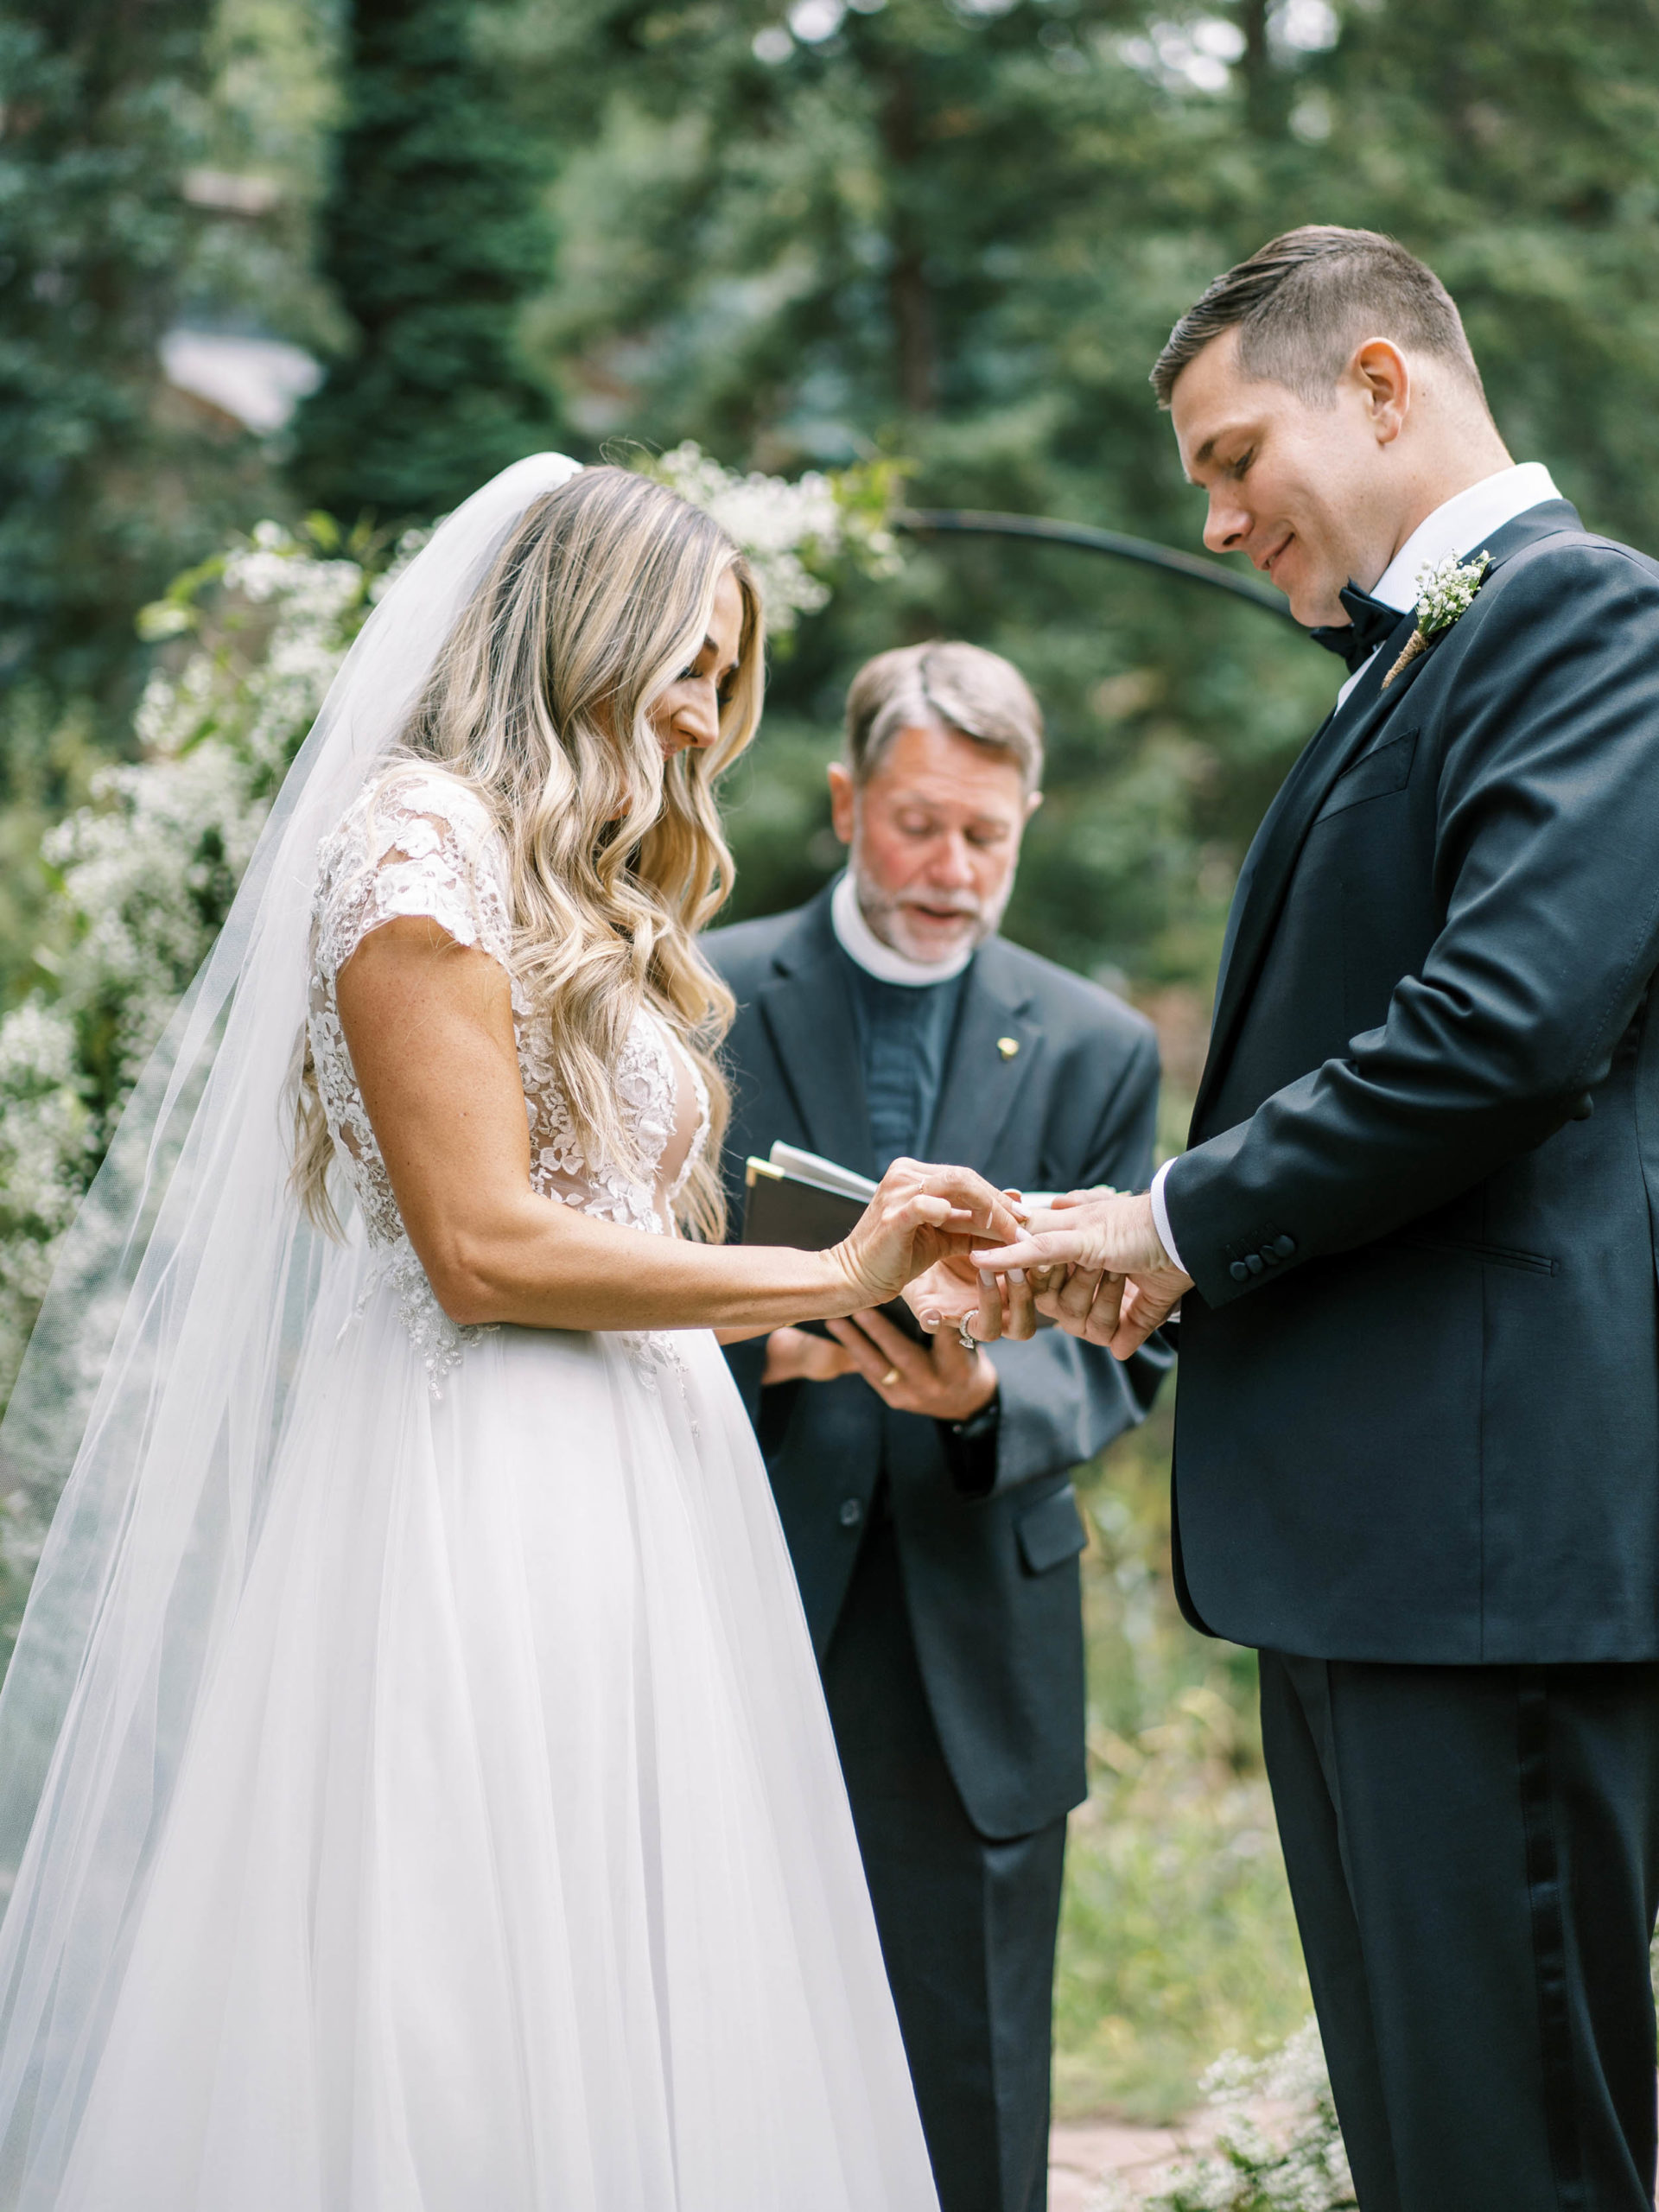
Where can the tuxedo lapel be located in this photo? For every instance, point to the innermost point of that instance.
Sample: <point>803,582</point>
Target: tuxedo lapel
<point>983,1078</point>
<point>1346,733</point>
<point>1272,857</point>
<point>808,1012</point>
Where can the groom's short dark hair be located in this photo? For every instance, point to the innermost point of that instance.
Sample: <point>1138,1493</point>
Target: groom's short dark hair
<point>1303,301</point>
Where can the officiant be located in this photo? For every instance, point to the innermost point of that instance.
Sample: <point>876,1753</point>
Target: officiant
<point>925,1490</point>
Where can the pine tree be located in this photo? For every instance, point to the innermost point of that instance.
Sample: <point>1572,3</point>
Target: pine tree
<point>962,229</point>
<point>434,240</point>
<point>96,98</point>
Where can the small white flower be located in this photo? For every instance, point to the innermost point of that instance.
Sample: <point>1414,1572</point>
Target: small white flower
<point>791,533</point>
<point>1445,591</point>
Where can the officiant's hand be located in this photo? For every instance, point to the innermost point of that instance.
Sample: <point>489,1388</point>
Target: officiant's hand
<point>941,1380</point>
<point>801,1355</point>
<point>1098,1267</point>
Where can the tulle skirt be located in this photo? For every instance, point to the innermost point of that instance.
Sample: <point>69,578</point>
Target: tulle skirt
<point>509,1868</point>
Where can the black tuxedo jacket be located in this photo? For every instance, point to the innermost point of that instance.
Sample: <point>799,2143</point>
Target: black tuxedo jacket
<point>991,1585</point>
<point>1419,1391</point>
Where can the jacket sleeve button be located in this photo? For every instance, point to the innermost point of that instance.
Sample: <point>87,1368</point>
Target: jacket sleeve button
<point>1284,1246</point>
<point>1270,1256</point>
<point>1239,1272</point>
<point>851,1513</point>
<point>1253,1262</point>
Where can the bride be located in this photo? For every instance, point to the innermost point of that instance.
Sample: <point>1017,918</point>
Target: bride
<point>416,1778</point>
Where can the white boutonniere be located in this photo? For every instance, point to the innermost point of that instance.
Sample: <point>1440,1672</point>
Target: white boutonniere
<point>1444,595</point>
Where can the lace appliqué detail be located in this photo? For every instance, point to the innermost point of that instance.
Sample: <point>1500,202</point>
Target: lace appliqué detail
<point>441,1343</point>
<point>422,842</point>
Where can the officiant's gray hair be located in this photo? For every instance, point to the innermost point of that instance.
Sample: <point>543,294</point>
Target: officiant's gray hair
<point>1303,301</point>
<point>943,685</point>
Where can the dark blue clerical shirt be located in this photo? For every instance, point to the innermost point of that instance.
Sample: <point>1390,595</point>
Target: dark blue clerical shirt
<point>904,1037</point>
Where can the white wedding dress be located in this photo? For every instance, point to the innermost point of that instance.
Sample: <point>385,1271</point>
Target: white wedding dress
<point>509,1867</point>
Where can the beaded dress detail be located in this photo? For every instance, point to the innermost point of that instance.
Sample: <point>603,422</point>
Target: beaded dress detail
<point>422,842</point>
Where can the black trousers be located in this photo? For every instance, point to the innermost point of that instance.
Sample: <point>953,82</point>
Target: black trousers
<point>968,1926</point>
<point>1474,1857</point>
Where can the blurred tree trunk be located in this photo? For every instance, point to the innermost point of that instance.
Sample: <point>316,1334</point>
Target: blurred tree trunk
<point>914,363</point>
<point>1263,104</point>
<point>434,239</point>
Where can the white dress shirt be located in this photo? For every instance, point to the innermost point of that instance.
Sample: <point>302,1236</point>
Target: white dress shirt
<point>1456,527</point>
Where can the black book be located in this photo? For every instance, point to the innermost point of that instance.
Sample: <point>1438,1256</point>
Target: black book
<point>796,1198</point>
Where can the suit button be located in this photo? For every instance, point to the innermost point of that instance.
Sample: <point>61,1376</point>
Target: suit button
<point>1239,1272</point>
<point>1253,1262</point>
<point>851,1513</point>
<point>1270,1256</point>
<point>1284,1246</point>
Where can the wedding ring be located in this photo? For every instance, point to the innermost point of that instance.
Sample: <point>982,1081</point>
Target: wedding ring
<point>889,1378</point>
<point>965,1335</point>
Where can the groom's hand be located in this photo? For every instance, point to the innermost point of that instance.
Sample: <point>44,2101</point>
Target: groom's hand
<point>1098,1268</point>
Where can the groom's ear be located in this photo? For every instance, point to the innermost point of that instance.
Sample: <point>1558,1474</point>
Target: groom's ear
<point>1380,377</point>
<point>1032,804</point>
<point>842,797</point>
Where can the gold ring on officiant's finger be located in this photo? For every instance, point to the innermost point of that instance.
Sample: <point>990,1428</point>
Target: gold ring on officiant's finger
<point>965,1335</point>
<point>889,1378</point>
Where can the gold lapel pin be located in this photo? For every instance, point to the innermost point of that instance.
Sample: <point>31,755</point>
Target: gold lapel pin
<point>1008,1046</point>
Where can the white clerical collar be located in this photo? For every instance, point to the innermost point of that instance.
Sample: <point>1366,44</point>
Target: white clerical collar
<point>861,945</point>
<point>1457,526</point>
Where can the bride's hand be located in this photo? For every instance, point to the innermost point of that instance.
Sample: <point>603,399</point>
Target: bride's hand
<point>919,1216</point>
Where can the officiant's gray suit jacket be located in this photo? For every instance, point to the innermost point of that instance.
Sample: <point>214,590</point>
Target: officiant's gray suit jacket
<point>1419,1375</point>
<point>991,1585</point>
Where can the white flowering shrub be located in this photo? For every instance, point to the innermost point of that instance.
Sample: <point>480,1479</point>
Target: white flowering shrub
<point>47,1140</point>
<point>798,535</point>
<point>146,873</point>
<point>1276,2143</point>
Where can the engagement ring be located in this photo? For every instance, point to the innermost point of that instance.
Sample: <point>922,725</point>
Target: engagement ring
<point>889,1378</point>
<point>965,1335</point>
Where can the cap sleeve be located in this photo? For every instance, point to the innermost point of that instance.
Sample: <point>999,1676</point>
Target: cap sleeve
<point>418,843</point>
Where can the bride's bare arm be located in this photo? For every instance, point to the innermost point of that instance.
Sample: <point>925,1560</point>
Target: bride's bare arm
<point>430,1026</point>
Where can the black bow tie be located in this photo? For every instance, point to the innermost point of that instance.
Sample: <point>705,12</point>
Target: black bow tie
<point>1369,622</point>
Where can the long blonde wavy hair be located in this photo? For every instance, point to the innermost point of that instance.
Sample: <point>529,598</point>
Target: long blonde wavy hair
<point>540,702</point>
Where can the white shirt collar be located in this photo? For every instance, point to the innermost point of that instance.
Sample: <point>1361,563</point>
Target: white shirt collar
<point>1457,526</point>
<point>861,945</point>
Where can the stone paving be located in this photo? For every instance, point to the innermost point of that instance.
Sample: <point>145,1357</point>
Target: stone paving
<point>1084,2153</point>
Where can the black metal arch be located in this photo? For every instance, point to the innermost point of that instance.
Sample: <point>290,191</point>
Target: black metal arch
<point>968,522</point>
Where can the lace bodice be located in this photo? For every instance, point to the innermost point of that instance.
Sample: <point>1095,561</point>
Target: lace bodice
<point>422,842</point>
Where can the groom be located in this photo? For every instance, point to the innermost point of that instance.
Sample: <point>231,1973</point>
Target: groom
<point>1418,1461</point>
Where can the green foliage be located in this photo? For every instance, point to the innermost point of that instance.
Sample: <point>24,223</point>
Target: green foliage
<point>97,502</point>
<point>1293,2161</point>
<point>433,238</point>
<point>268,115</point>
<point>138,879</point>
<point>961,232</point>
<point>1176,1938</point>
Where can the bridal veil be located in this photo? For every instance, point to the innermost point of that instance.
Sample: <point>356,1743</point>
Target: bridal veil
<point>153,1392</point>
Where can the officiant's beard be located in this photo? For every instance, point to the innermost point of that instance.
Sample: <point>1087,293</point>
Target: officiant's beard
<point>892,918</point>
